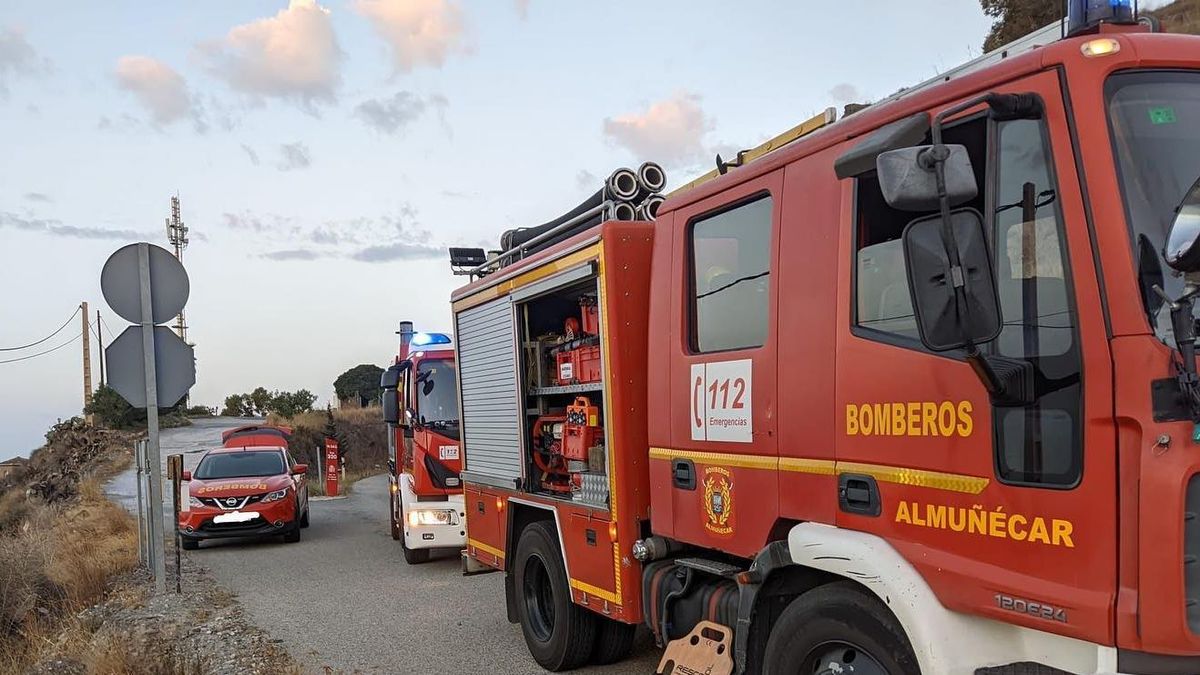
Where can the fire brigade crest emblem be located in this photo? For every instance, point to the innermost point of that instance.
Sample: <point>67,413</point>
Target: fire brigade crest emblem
<point>718,500</point>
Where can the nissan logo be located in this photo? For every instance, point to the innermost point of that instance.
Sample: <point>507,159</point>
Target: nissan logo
<point>232,501</point>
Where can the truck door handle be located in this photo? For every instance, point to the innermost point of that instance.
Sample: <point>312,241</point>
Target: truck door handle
<point>859,494</point>
<point>683,474</point>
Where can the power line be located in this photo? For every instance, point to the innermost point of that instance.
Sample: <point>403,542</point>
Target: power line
<point>34,344</point>
<point>92,325</point>
<point>52,349</point>
<point>110,331</point>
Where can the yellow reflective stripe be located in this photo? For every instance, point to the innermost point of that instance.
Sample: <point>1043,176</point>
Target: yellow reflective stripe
<point>823,467</point>
<point>938,480</point>
<point>536,274</point>
<point>953,482</point>
<point>583,587</point>
<point>485,548</point>
<point>724,459</point>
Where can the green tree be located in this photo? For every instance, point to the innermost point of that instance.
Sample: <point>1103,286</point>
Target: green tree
<point>236,405</point>
<point>111,410</point>
<point>1014,19</point>
<point>292,403</point>
<point>360,383</point>
<point>260,401</point>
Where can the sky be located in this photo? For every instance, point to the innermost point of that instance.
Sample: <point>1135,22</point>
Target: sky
<point>327,153</point>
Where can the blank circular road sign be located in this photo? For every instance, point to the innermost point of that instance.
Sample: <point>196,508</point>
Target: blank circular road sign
<point>120,281</point>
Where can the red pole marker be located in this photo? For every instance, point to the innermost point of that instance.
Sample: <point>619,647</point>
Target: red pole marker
<point>332,462</point>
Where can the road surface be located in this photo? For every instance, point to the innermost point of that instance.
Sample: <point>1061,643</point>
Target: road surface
<point>344,598</point>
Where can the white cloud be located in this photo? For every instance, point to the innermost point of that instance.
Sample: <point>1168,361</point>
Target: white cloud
<point>670,131</point>
<point>846,93</point>
<point>420,32</point>
<point>389,115</point>
<point>161,90</point>
<point>294,156</point>
<point>293,55</point>
<point>17,58</point>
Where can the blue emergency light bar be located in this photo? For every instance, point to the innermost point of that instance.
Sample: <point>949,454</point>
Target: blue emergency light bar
<point>1086,15</point>
<point>425,339</point>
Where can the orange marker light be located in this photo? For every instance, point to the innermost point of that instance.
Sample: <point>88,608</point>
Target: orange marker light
<point>1100,47</point>
<point>612,531</point>
<point>499,504</point>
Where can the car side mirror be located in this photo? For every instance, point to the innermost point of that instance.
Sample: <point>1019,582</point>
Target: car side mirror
<point>1182,249</point>
<point>908,178</point>
<point>299,469</point>
<point>185,475</point>
<point>932,282</point>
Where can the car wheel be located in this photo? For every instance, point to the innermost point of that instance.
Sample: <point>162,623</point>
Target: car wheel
<point>560,634</point>
<point>838,628</point>
<point>304,518</point>
<point>414,556</point>
<point>190,544</point>
<point>293,535</point>
<point>614,641</point>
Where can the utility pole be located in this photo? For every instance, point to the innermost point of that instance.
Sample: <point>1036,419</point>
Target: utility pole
<point>100,339</point>
<point>87,357</point>
<point>177,234</point>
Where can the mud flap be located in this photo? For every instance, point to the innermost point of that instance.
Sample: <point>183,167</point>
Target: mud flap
<point>704,650</point>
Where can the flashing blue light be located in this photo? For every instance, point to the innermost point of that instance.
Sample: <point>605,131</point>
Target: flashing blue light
<point>1085,15</point>
<point>424,339</point>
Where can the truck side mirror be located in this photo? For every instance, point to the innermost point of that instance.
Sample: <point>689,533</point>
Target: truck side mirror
<point>932,282</point>
<point>908,178</point>
<point>391,406</point>
<point>1182,249</point>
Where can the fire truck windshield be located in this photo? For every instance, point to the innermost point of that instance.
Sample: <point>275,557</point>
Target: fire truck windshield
<point>437,391</point>
<point>1153,116</point>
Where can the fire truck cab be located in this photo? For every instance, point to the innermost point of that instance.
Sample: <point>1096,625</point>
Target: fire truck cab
<point>915,392</point>
<point>420,396</point>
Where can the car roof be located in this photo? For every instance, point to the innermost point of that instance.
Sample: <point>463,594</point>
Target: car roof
<point>245,448</point>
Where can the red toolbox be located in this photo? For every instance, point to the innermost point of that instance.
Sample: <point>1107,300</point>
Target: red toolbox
<point>578,366</point>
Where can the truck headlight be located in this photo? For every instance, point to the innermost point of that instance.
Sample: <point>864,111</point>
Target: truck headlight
<point>195,503</point>
<point>432,517</point>
<point>276,495</point>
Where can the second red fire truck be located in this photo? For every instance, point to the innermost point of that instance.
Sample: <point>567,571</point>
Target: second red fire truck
<point>913,393</point>
<point>420,397</point>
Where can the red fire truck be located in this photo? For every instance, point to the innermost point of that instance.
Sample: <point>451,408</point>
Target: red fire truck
<point>420,407</point>
<point>914,392</point>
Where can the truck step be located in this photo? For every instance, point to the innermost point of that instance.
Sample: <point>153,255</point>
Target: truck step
<point>713,567</point>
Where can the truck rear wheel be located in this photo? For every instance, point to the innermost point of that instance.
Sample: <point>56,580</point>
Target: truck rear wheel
<point>838,629</point>
<point>559,633</point>
<point>614,640</point>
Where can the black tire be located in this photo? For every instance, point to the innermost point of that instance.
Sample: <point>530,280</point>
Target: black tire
<point>293,535</point>
<point>560,634</point>
<point>614,641</point>
<point>190,544</point>
<point>414,556</point>
<point>304,518</point>
<point>840,623</point>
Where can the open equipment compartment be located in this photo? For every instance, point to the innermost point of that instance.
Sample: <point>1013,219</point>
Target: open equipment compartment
<point>563,387</point>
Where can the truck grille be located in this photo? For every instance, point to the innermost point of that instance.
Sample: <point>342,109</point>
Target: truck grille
<point>1191,553</point>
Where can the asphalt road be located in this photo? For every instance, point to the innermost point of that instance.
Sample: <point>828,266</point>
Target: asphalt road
<point>344,598</point>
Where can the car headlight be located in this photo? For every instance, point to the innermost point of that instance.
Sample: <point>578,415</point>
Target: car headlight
<point>195,503</point>
<point>432,517</point>
<point>276,495</point>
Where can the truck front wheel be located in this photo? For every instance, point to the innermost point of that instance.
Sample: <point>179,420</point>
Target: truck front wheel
<point>559,633</point>
<point>392,510</point>
<point>414,556</point>
<point>838,628</point>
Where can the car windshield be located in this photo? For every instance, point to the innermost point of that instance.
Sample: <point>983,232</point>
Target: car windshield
<point>1153,116</point>
<point>437,391</point>
<point>248,464</point>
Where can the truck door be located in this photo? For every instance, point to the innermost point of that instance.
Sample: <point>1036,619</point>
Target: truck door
<point>1006,511</point>
<point>723,487</point>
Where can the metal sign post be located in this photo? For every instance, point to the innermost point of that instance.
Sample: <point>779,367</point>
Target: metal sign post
<point>146,286</point>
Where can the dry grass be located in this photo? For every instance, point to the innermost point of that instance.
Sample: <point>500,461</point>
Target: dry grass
<point>361,433</point>
<point>60,559</point>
